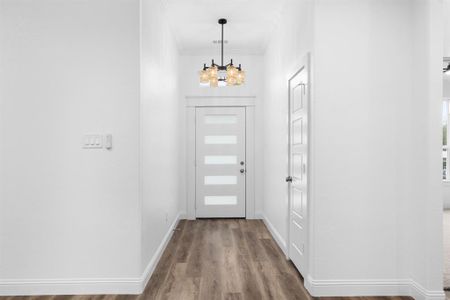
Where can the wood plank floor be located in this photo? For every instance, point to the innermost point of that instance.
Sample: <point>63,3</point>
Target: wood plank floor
<point>224,259</point>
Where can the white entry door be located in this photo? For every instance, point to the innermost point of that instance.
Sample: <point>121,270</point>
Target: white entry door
<point>298,168</point>
<point>220,162</point>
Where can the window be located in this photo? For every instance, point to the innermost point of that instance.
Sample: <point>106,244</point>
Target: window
<point>445,152</point>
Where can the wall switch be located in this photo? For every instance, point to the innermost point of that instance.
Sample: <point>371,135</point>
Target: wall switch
<point>108,141</point>
<point>93,141</point>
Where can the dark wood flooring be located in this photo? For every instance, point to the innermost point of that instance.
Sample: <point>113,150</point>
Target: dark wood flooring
<point>224,259</point>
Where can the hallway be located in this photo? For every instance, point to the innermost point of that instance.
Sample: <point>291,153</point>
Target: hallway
<point>304,127</point>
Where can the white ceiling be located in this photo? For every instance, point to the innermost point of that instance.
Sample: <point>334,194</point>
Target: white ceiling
<point>250,22</point>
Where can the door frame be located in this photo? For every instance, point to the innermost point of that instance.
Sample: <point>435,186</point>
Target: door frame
<point>192,102</point>
<point>304,63</point>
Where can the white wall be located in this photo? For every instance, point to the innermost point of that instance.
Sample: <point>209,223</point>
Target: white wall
<point>374,111</point>
<point>446,23</point>
<point>68,68</point>
<point>290,42</point>
<point>189,86</point>
<point>446,195</point>
<point>423,259</point>
<point>362,92</point>
<point>161,117</point>
<point>371,203</point>
<point>75,220</point>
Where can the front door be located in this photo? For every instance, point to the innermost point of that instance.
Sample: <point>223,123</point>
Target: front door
<point>298,168</point>
<point>220,162</point>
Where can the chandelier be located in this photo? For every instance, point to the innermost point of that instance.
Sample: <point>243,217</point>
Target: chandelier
<point>223,75</point>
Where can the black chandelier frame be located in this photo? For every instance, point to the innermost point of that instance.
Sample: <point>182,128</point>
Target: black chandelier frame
<point>222,67</point>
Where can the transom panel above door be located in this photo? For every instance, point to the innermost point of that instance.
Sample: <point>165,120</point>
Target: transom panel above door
<point>220,162</point>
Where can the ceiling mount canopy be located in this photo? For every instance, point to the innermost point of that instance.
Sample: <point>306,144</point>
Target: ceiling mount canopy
<point>221,75</point>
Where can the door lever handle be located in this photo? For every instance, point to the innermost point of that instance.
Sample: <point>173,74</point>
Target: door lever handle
<point>289,179</point>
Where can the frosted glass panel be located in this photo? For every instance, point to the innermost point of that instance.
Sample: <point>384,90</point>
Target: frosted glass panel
<point>220,160</point>
<point>214,180</point>
<point>220,200</point>
<point>220,119</point>
<point>220,139</point>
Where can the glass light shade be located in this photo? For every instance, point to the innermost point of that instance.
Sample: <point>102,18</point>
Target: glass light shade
<point>221,76</point>
<point>231,81</point>
<point>232,71</point>
<point>240,78</point>
<point>204,76</point>
<point>212,72</point>
<point>214,82</point>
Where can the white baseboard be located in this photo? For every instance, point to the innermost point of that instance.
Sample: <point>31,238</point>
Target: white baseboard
<point>418,292</point>
<point>85,286</point>
<point>348,288</point>
<point>274,232</point>
<point>88,286</point>
<point>157,256</point>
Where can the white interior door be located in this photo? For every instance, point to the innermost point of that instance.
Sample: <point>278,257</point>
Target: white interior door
<point>298,168</point>
<point>220,162</point>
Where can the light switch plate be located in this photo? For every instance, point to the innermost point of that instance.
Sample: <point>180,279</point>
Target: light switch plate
<point>108,141</point>
<point>93,141</point>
